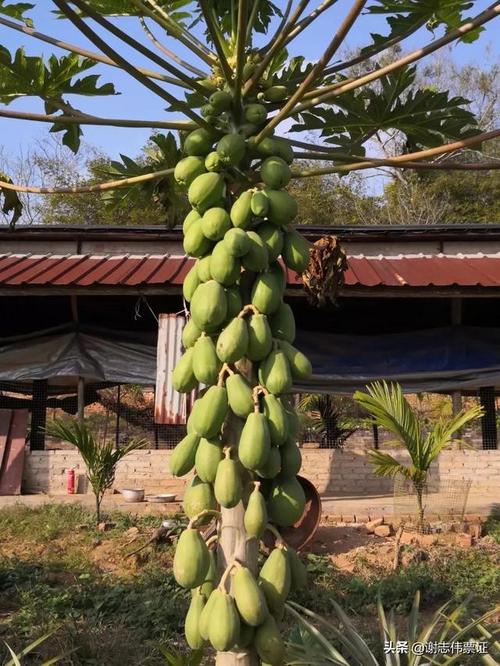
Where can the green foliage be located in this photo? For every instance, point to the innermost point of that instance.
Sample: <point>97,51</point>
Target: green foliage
<point>16,658</point>
<point>11,201</point>
<point>17,10</point>
<point>320,641</point>
<point>192,658</point>
<point>327,415</point>
<point>100,458</point>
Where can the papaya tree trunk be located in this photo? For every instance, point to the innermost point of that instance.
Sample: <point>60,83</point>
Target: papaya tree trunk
<point>233,543</point>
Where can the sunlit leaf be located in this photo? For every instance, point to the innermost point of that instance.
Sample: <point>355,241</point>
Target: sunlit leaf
<point>17,11</point>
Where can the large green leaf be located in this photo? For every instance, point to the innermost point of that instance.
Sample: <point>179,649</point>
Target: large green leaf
<point>425,117</point>
<point>404,16</point>
<point>121,8</point>
<point>223,11</point>
<point>17,11</point>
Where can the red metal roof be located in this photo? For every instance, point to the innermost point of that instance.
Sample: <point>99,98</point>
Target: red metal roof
<point>24,270</point>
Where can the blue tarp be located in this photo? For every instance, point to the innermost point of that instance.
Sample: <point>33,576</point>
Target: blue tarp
<point>442,359</point>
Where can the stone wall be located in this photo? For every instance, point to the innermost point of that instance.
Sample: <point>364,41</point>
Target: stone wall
<point>334,472</point>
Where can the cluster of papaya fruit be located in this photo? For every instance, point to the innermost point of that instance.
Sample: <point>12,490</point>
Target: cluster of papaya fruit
<point>242,432</point>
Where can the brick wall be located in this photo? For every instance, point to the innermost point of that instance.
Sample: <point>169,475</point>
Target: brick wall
<point>333,472</point>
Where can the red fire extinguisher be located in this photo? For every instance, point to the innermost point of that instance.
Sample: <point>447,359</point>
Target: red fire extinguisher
<point>70,482</point>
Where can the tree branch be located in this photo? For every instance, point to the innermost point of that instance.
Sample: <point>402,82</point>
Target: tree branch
<point>130,69</point>
<point>307,20</point>
<point>240,50</point>
<point>217,40</point>
<point>82,189</point>
<point>84,119</point>
<point>92,55</point>
<point>251,20</point>
<point>400,160</point>
<point>140,48</point>
<point>276,43</point>
<point>316,71</point>
<point>330,92</point>
<point>170,54</point>
<point>280,27</point>
<point>164,20</point>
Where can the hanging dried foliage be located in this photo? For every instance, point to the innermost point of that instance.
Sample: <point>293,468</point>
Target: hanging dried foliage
<point>325,273</point>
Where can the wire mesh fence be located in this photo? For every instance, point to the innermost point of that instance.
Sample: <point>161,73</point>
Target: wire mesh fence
<point>435,505</point>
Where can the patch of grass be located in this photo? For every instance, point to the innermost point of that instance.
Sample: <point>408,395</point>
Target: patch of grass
<point>492,526</point>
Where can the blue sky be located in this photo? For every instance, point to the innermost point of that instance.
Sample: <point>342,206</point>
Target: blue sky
<point>137,102</point>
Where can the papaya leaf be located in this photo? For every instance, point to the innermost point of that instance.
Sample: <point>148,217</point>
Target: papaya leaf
<point>22,76</point>
<point>17,11</point>
<point>295,69</point>
<point>424,116</point>
<point>404,16</point>
<point>11,201</point>
<point>120,8</point>
<point>266,12</point>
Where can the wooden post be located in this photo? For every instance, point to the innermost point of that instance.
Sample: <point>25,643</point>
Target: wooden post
<point>456,320</point>
<point>81,400</point>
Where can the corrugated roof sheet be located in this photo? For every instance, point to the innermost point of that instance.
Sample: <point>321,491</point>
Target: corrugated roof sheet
<point>24,270</point>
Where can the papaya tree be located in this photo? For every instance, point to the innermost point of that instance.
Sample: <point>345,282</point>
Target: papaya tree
<point>227,71</point>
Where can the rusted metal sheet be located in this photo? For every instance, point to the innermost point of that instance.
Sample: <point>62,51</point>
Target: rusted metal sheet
<point>171,407</point>
<point>11,469</point>
<point>146,269</point>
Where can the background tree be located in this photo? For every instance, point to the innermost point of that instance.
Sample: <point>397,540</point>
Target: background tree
<point>234,80</point>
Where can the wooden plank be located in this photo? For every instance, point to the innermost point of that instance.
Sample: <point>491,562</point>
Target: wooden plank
<point>5,419</point>
<point>11,473</point>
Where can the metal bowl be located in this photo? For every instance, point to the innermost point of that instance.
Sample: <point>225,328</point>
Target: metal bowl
<point>133,494</point>
<point>165,497</point>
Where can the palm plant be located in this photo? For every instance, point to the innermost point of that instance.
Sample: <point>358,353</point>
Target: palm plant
<point>328,417</point>
<point>309,645</point>
<point>389,409</point>
<point>15,659</point>
<point>100,457</point>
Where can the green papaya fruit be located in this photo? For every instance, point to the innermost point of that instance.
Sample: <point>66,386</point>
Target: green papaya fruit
<point>298,571</point>
<point>248,69</point>
<point>190,218</point>
<point>276,419</point>
<point>283,148</point>
<point>282,206</point>
<point>246,637</point>
<point>256,258</point>
<point>203,268</point>
<point>191,559</point>
<point>287,501</point>
<point>267,292</point>
<point>275,173</point>
<point>272,237</point>
<point>232,343</point>
<point>190,284</point>
<point>208,585</point>
<point>255,442</point>
<point>255,113</point>
<point>272,466</point>
<point>208,456</point>
<point>260,339</point>
<point>248,597</point>
<point>224,624</point>
<point>268,642</point>
<point>208,420</point>
<point>276,93</point>
<point>283,323</point>
<point>206,191</point>
<point>209,306</point>
<point>234,302</point>
<point>183,377</point>
<point>213,162</point>
<point>239,395</point>
<point>275,374</point>
<point>273,147</point>
<point>197,406</point>
<point>228,487</point>
<point>192,621</point>
<point>296,251</point>
<point>198,497</point>
<point>206,364</point>
<point>275,579</point>
<point>198,143</point>
<point>291,458</point>
<point>206,614</point>
<point>215,222</point>
<point>183,456</point>
<point>259,204</point>
<point>300,365</point>
<point>187,169</point>
<point>221,100</point>
<point>208,84</point>
<point>237,242</point>
<point>207,111</point>
<point>224,268</point>
<point>241,210</point>
<point>195,243</point>
<point>231,149</point>
<point>190,333</point>
<point>255,518</point>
